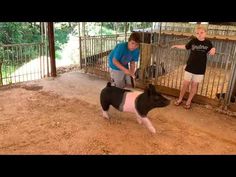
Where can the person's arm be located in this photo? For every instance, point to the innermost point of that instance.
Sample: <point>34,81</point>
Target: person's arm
<point>212,51</point>
<point>179,46</point>
<point>122,68</point>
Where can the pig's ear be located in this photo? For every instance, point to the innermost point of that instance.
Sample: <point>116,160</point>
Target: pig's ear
<point>148,91</point>
<point>152,88</point>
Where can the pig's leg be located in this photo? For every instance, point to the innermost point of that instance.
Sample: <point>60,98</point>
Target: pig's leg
<point>138,118</point>
<point>105,114</point>
<point>148,124</point>
<point>105,108</point>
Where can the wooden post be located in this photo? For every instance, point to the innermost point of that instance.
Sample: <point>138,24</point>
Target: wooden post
<point>52,49</point>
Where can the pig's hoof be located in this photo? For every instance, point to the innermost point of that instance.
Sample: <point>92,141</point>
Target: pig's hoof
<point>139,120</point>
<point>105,115</point>
<point>152,130</point>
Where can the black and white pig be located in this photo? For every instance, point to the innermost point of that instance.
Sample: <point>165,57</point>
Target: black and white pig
<point>136,102</point>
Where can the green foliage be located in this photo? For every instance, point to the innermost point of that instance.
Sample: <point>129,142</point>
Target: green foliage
<point>58,54</point>
<point>107,31</point>
<point>19,32</point>
<point>61,36</point>
<point>29,32</point>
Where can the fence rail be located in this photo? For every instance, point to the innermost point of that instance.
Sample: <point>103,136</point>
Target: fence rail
<point>165,67</point>
<point>23,62</point>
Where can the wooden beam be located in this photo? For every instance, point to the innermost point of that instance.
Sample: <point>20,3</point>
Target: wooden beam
<point>217,37</point>
<point>52,49</point>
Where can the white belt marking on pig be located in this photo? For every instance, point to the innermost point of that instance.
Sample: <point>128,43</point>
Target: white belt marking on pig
<point>129,104</point>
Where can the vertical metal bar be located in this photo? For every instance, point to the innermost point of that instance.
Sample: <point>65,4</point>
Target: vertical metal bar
<point>42,59</point>
<point>39,69</point>
<point>220,67</point>
<point>226,65</point>
<point>20,60</point>
<point>85,51</point>
<point>178,68</point>
<point>100,62</point>
<point>9,65</point>
<point>25,63</point>
<point>17,64</point>
<point>173,66</point>
<point>161,57</point>
<point>47,50</point>
<point>14,62</point>
<point>94,46</point>
<point>168,66</point>
<point>90,57</point>
<point>29,61</point>
<point>3,67</point>
<point>80,52</point>
<point>155,61</point>
<point>214,76</point>
<point>151,34</point>
<point>231,83</point>
<point>42,48</point>
<point>209,75</point>
<point>186,54</point>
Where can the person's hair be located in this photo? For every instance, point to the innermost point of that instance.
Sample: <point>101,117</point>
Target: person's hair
<point>202,27</point>
<point>135,37</point>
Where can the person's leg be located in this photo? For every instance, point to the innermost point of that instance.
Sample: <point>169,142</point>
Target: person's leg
<point>194,86</point>
<point>183,90</point>
<point>186,82</point>
<point>193,91</point>
<point>118,78</point>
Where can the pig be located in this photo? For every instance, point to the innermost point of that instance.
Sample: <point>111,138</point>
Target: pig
<point>136,102</point>
<point>151,71</point>
<point>222,95</point>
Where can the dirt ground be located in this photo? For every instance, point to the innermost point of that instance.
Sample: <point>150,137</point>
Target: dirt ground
<point>63,116</point>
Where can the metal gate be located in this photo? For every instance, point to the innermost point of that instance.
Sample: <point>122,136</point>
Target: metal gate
<point>23,62</point>
<point>164,66</point>
<point>94,51</point>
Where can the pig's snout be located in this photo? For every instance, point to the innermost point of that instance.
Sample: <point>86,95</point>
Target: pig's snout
<point>163,102</point>
<point>167,102</point>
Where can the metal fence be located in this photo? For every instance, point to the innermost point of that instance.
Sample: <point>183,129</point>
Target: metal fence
<point>94,51</point>
<point>225,30</point>
<point>23,62</point>
<point>165,67</point>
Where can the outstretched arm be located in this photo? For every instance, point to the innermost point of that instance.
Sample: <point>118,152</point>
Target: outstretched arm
<point>212,51</point>
<point>178,46</point>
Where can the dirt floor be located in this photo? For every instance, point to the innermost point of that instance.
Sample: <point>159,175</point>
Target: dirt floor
<point>63,116</point>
